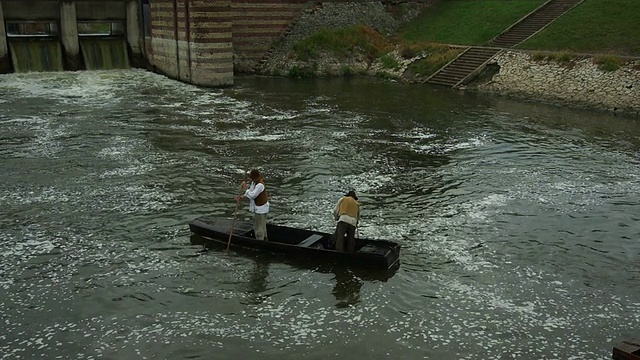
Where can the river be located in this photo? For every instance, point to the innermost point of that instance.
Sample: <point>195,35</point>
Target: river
<point>519,221</point>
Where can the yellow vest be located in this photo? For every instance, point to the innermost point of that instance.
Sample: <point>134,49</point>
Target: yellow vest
<point>349,206</point>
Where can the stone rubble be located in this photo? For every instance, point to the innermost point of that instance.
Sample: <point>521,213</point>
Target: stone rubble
<point>580,82</point>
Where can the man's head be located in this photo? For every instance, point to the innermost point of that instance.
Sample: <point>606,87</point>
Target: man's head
<point>254,175</point>
<point>352,193</point>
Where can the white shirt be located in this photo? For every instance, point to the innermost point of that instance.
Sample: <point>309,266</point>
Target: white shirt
<point>252,193</point>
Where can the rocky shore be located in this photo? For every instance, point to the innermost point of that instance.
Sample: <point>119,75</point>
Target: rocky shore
<point>580,82</point>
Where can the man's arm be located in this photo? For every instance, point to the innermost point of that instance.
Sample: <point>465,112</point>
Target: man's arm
<point>336,210</point>
<point>252,194</point>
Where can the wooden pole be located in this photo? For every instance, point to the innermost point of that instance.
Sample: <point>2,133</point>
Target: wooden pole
<point>235,215</point>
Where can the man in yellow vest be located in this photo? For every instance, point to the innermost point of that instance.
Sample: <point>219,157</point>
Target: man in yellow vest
<point>347,213</point>
<point>258,203</point>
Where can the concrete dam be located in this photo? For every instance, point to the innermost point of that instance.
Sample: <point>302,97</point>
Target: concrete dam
<point>196,41</point>
<point>69,35</point>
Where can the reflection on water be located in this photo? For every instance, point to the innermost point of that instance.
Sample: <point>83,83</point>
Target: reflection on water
<point>518,221</point>
<point>258,281</point>
<point>347,289</point>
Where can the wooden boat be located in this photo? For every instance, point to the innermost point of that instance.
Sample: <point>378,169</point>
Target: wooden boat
<point>381,254</point>
<point>627,350</point>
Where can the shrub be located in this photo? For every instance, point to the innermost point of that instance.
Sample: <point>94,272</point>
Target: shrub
<point>389,62</point>
<point>347,71</point>
<point>303,72</point>
<point>342,43</point>
<point>437,58</point>
<point>561,57</point>
<point>609,63</point>
<point>385,75</point>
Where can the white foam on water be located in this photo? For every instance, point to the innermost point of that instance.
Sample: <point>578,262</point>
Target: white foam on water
<point>45,135</point>
<point>416,134</point>
<point>128,171</point>
<point>281,116</point>
<point>79,87</point>
<point>366,182</point>
<point>45,195</point>
<point>257,135</point>
<point>450,146</point>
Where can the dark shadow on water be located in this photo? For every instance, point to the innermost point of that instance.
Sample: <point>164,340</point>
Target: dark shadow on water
<point>347,288</point>
<point>258,283</point>
<point>349,280</point>
<point>305,263</point>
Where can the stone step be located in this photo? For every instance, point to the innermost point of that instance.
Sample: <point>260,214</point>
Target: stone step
<point>469,61</point>
<point>473,58</point>
<point>447,79</point>
<point>457,76</point>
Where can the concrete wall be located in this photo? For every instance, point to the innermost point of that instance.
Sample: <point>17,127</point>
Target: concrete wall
<point>69,36</point>
<point>191,41</point>
<point>100,10</point>
<point>67,14</point>
<point>257,25</point>
<point>31,10</point>
<point>48,10</point>
<point>197,41</point>
<point>5,62</point>
<point>133,25</point>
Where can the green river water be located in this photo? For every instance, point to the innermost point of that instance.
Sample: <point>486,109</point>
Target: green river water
<point>519,221</point>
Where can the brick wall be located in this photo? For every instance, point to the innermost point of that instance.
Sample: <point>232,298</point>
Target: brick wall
<point>257,24</point>
<point>191,40</point>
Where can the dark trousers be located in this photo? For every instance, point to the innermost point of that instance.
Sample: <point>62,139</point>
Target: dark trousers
<point>345,237</point>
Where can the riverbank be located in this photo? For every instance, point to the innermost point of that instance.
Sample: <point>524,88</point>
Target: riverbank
<point>601,82</point>
<point>400,43</point>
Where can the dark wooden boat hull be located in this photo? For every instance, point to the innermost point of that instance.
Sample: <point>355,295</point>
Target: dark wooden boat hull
<point>382,254</point>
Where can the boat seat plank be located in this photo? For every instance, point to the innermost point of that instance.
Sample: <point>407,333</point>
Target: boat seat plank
<point>311,240</point>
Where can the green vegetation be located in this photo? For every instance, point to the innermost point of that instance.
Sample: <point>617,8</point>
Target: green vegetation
<point>561,57</point>
<point>347,71</point>
<point>389,62</point>
<point>595,26</point>
<point>609,62</point>
<point>466,22</point>
<point>385,75</point>
<point>303,72</point>
<point>438,56</point>
<point>342,43</point>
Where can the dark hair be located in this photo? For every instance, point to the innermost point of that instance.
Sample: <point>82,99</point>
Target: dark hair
<point>254,174</point>
<point>352,194</point>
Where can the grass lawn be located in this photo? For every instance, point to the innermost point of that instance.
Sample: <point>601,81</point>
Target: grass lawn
<point>467,22</point>
<point>595,26</point>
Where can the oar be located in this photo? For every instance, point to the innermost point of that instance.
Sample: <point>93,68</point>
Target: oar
<point>235,213</point>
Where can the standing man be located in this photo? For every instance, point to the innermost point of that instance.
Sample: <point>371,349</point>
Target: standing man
<point>258,203</point>
<point>347,213</point>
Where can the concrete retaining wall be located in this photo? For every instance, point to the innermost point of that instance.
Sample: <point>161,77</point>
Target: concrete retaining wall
<point>5,62</point>
<point>257,25</point>
<point>580,82</point>
<point>191,41</point>
<point>124,14</point>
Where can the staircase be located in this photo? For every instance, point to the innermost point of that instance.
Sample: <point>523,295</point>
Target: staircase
<point>473,60</point>
<point>463,66</point>
<point>533,23</point>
